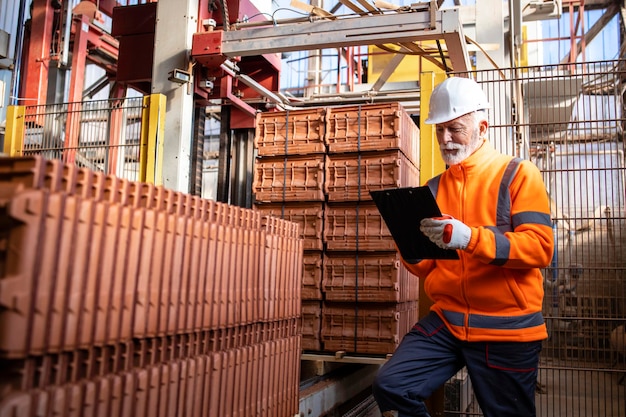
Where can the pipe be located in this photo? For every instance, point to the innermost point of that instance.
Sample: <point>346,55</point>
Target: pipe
<point>231,69</point>
<point>65,52</point>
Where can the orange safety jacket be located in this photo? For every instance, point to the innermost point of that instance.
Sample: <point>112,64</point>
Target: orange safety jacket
<point>494,292</point>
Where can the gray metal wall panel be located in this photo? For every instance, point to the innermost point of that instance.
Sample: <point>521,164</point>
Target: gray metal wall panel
<point>9,10</point>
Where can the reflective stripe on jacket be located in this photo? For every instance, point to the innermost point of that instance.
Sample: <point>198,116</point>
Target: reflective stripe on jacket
<point>494,292</point>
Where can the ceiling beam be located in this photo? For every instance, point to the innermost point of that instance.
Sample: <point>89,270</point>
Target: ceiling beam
<point>423,22</point>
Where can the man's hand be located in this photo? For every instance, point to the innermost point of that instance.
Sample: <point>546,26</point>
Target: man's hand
<point>446,232</point>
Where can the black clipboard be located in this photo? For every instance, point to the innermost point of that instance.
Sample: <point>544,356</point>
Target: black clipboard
<point>402,210</point>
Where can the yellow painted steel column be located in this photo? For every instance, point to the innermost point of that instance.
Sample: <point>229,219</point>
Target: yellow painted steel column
<point>431,163</point>
<point>15,128</point>
<point>151,147</point>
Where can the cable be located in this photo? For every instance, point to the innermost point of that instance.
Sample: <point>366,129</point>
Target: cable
<point>225,16</point>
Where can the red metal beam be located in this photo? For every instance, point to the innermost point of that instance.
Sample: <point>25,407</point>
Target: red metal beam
<point>101,48</point>
<point>34,84</point>
<point>80,32</point>
<point>89,43</point>
<point>227,87</point>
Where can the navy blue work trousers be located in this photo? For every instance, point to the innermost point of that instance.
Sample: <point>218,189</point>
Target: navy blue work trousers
<point>503,374</point>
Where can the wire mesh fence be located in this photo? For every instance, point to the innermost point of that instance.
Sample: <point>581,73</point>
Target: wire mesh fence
<point>101,135</point>
<point>569,120</point>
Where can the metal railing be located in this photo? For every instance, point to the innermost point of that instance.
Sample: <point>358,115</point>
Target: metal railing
<point>118,136</point>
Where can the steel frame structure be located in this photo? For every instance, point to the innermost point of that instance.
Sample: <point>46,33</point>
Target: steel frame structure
<point>420,22</point>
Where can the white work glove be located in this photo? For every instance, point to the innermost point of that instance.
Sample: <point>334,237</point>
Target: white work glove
<point>446,232</point>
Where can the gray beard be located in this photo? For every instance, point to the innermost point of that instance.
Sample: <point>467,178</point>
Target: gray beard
<point>463,151</point>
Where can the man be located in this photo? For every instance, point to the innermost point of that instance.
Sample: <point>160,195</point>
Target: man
<point>486,312</point>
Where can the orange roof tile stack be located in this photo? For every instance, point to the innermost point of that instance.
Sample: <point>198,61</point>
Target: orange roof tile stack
<point>136,300</point>
<point>356,294</point>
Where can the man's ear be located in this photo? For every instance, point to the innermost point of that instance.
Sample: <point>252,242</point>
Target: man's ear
<point>483,125</point>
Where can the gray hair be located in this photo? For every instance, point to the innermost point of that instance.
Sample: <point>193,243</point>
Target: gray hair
<point>481,114</point>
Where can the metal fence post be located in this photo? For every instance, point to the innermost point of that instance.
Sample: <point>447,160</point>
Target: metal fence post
<point>14,133</point>
<point>151,146</point>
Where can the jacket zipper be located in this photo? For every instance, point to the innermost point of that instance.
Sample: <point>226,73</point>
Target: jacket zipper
<point>462,255</point>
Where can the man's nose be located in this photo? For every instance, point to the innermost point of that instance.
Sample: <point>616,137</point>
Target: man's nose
<point>444,136</point>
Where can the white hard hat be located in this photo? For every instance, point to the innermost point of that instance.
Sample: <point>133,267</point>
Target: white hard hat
<point>455,97</point>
